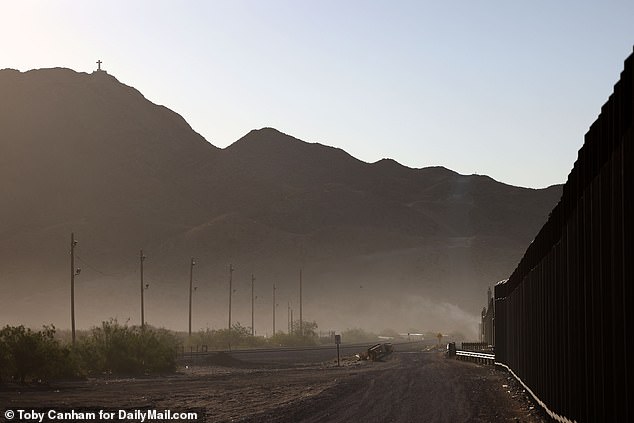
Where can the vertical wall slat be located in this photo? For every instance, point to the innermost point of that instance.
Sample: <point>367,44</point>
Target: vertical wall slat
<point>563,320</point>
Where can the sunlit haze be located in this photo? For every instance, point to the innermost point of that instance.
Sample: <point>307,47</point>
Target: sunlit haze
<point>505,89</point>
<point>316,211</point>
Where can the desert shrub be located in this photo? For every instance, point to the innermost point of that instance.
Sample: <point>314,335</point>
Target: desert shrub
<point>122,349</point>
<point>5,357</point>
<point>159,347</point>
<point>240,337</point>
<point>112,347</point>
<point>295,338</point>
<point>308,328</point>
<point>26,354</point>
<point>218,339</point>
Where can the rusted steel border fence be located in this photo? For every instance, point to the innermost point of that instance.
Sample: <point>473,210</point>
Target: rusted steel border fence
<point>563,320</point>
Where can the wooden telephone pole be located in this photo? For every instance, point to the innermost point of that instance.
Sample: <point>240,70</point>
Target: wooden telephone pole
<point>73,272</point>
<point>141,260</point>
<point>231,269</point>
<point>191,289</point>
<point>274,305</point>
<point>301,321</point>
<point>252,306</point>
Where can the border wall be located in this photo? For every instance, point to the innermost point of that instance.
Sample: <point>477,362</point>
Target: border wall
<point>564,319</point>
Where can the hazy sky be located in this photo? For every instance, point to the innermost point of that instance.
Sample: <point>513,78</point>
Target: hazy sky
<point>503,88</point>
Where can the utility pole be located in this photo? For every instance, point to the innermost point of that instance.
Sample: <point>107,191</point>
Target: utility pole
<point>252,308</point>
<point>191,277</point>
<point>274,308</point>
<point>301,321</point>
<point>73,272</point>
<point>292,328</point>
<point>141,260</point>
<point>231,269</point>
<point>288,317</point>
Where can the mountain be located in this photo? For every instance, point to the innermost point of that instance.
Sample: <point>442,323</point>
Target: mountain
<point>381,245</point>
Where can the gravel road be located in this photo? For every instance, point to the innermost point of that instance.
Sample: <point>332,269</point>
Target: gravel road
<point>410,386</point>
<point>415,387</point>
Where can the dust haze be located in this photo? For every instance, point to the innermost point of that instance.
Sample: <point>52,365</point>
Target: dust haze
<point>338,299</point>
<point>380,245</point>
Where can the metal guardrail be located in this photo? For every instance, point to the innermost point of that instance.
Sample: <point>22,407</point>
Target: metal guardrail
<point>474,351</point>
<point>474,354</point>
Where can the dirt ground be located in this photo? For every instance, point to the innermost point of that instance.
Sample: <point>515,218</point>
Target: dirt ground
<point>409,386</point>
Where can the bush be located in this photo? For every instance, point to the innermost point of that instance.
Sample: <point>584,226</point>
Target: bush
<point>295,338</point>
<point>122,349</point>
<point>218,339</point>
<point>5,357</point>
<point>111,348</point>
<point>25,354</point>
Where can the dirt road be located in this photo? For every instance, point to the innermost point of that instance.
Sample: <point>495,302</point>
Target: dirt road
<point>408,387</point>
<point>415,387</point>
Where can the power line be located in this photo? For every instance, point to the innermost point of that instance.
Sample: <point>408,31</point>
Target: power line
<point>95,269</point>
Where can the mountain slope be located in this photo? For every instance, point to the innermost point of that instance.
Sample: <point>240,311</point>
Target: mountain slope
<point>380,244</point>
<point>346,191</point>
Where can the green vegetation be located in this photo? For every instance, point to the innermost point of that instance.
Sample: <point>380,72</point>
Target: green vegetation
<point>240,337</point>
<point>27,355</point>
<point>114,348</point>
<point>296,338</point>
<point>122,349</point>
<point>220,339</point>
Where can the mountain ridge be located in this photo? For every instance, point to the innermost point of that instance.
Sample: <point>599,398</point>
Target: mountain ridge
<point>85,153</point>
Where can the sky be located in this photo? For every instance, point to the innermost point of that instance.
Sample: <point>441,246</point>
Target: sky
<point>500,88</point>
